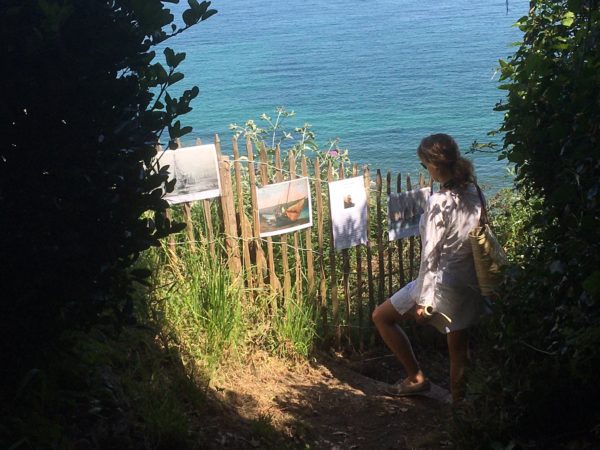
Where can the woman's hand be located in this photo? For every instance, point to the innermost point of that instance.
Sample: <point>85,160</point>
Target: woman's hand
<point>421,315</point>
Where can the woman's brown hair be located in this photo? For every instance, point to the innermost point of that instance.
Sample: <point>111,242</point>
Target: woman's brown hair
<point>441,151</point>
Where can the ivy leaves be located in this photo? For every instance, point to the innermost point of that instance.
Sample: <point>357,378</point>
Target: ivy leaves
<point>552,303</point>
<point>197,12</point>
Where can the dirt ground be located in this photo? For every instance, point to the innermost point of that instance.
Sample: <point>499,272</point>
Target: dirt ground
<point>332,402</point>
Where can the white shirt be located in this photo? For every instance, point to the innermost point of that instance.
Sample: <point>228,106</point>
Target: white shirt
<point>447,279</point>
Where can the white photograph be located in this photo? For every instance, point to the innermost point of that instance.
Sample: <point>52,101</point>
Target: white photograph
<point>196,170</point>
<point>405,211</point>
<point>284,207</point>
<point>348,203</point>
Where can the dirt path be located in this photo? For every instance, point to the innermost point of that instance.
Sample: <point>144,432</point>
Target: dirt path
<point>326,404</point>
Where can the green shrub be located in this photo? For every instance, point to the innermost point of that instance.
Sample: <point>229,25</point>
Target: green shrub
<point>536,385</point>
<point>84,107</point>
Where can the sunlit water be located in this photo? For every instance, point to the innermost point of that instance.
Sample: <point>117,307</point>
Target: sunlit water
<point>379,74</point>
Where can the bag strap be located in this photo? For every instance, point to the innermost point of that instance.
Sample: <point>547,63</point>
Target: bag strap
<point>483,218</point>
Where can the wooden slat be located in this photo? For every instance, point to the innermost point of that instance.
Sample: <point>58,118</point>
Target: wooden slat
<point>335,303</point>
<point>310,265</point>
<point>298,261</point>
<point>229,223</point>
<point>243,220</point>
<point>260,257</point>
<point>264,175</point>
<point>171,247</point>
<point>370,286</point>
<point>346,276</point>
<point>400,242</point>
<point>381,260</point>
<point>210,235</point>
<point>359,287</point>
<point>218,204</point>
<point>390,269</point>
<point>187,217</point>
<point>411,242</point>
<point>321,250</point>
<point>189,226</point>
<point>283,240</point>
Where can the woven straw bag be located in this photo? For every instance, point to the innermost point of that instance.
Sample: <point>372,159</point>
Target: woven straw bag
<point>488,254</point>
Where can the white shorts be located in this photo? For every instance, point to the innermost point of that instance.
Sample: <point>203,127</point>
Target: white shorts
<point>404,299</point>
<point>462,308</point>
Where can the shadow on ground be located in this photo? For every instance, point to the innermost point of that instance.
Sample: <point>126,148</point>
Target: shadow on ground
<point>126,390</point>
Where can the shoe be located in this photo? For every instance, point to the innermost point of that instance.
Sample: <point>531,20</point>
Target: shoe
<point>404,388</point>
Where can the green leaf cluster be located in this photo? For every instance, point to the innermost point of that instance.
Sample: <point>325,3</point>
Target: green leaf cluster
<point>539,387</point>
<point>86,102</point>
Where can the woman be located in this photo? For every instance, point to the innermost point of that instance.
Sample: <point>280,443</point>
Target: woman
<point>447,283</point>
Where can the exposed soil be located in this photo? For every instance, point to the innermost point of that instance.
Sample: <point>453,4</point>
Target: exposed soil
<point>332,402</point>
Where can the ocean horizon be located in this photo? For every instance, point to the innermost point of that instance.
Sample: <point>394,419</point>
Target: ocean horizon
<point>379,75</point>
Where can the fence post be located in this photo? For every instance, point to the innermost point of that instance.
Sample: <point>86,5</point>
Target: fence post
<point>229,222</point>
<point>298,265</point>
<point>367,176</point>
<point>359,281</point>
<point>310,271</point>
<point>172,249</point>
<point>411,242</point>
<point>388,191</point>
<point>283,240</point>
<point>219,206</point>
<point>400,241</point>
<point>243,220</point>
<point>335,303</point>
<point>187,217</point>
<point>321,245</point>
<point>346,277</point>
<point>381,260</point>
<point>260,257</point>
<point>210,236</point>
<point>264,174</point>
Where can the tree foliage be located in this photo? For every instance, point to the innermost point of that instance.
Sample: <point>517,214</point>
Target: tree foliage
<point>540,388</point>
<point>85,102</point>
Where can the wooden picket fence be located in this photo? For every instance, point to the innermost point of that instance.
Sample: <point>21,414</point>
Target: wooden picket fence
<point>344,286</point>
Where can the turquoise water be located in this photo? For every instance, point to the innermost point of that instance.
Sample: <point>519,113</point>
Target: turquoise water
<point>379,74</point>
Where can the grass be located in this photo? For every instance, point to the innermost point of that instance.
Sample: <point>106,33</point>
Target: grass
<point>294,329</point>
<point>212,320</point>
<point>105,389</point>
<point>203,311</point>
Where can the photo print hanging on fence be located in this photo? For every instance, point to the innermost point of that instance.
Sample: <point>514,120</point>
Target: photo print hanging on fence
<point>348,206</point>
<point>405,211</point>
<point>284,207</point>
<point>196,170</point>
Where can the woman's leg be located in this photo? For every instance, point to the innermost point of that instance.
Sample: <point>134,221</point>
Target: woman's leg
<point>458,343</point>
<point>386,320</point>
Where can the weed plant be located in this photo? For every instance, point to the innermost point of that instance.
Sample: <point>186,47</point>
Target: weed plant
<point>200,307</point>
<point>294,329</point>
<point>212,318</point>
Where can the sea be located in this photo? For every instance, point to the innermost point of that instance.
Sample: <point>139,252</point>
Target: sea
<point>379,75</point>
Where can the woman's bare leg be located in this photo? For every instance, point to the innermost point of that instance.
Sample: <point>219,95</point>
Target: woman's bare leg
<point>386,320</point>
<point>458,343</point>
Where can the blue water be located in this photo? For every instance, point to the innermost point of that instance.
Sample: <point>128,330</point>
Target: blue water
<point>379,74</point>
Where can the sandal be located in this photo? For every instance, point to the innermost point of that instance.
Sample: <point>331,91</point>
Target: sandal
<point>404,388</point>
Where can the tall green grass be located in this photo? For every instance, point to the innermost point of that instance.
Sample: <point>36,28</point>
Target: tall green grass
<point>294,329</point>
<point>201,307</point>
<point>213,319</point>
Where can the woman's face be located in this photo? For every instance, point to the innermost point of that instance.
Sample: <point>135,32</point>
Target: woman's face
<point>434,172</point>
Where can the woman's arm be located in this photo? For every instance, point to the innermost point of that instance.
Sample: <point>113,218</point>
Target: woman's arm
<point>432,237</point>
